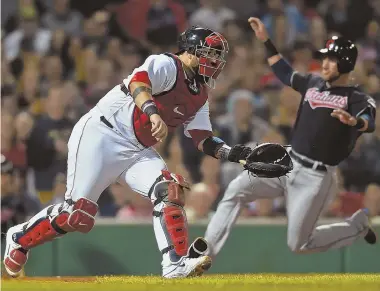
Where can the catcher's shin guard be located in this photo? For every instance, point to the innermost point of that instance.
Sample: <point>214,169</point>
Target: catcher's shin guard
<point>58,220</point>
<point>169,217</point>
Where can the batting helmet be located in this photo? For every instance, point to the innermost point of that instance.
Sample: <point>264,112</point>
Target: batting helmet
<point>343,50</point>
<point>210,47</point>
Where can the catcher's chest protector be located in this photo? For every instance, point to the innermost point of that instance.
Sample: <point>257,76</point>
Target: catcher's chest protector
<point>176,106</point>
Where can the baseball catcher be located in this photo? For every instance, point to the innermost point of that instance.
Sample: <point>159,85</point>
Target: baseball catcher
<point>114,143</point>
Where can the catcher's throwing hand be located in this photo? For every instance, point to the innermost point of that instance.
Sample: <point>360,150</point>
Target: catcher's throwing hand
<point>344,117</point>
<point>159,128</point>
<point>268,160</point>
<point>259,28</point>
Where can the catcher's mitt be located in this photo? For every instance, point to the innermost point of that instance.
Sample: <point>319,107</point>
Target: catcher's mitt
<point>268,160</point>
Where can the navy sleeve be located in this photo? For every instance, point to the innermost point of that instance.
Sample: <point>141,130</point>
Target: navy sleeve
<point>364,107</point>
<point>283,71</point>
<point>302,82</point>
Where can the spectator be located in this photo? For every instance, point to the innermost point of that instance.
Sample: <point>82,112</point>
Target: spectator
<point>251,81</point>
<point>113,52</point>
<point>192,158</point>
<point>104,81</point>
<point>76,54</point>
<point>233,31</point>
<point>9,100</point>
<point>62,17</point>
<point>212,14</point>
<point>29,37</point>
<point>7,72</point>
<point>203,194</point>
<point>11,148</point>
<point>354,172</point>
<point>76,107</point>
<point>29,97</point>
<point>164,23</point>
<point>46,140</point>
<point>52,73</point>
<point>303,7</point>
<point>153,22</point>
<point>302,57</point>
<point>318,33</point>
<point>369,48</point>
<point>130,58</point>
<point>348,18</point>
<point>130,205</point>
<point>15,206</point>
<point>232,75</point>
<point>240,125</point>
<point>373,86</point>
<point>95,36</point>
<point>284,22</point>
<point>59,189</point>
<point>375,9</point>
<point>286,113</point>
<point>371,152</point>
<point>59,46</point>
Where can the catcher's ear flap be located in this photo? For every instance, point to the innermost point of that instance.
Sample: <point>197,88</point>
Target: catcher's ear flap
<point>198,248</point>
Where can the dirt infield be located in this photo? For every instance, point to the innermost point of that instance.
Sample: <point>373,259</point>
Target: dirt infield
<point>248,282</point>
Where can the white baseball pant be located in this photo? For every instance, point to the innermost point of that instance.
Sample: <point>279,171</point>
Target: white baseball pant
<point>307,193</point>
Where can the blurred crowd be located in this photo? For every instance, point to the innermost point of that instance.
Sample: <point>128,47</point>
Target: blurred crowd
<point>59,57</point>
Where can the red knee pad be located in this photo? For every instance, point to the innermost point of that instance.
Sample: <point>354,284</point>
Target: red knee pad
<point>176,226</point>
<point>15,261</point>
<point>82,218</point>
<point>180,180</point>
<point>176,194</point>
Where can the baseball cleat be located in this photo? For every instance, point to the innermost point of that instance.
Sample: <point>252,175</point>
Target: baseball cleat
<point>370,237</point>
<point>15,257</point>
<point>188,267</point>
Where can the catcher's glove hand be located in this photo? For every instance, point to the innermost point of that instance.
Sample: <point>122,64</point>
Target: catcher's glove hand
<point>268,160</point>
<point>238,152</point>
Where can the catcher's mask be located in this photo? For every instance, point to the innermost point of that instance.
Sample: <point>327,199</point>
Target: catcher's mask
<point>210,47</point>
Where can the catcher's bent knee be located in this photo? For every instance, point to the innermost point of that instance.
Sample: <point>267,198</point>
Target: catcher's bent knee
<point>82,219</point>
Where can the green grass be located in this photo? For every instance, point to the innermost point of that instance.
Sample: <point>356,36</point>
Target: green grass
<point>249,282</point>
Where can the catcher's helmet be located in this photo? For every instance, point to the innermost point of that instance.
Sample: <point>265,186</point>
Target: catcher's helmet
<point>210,47</point>
<point>343,50</point>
